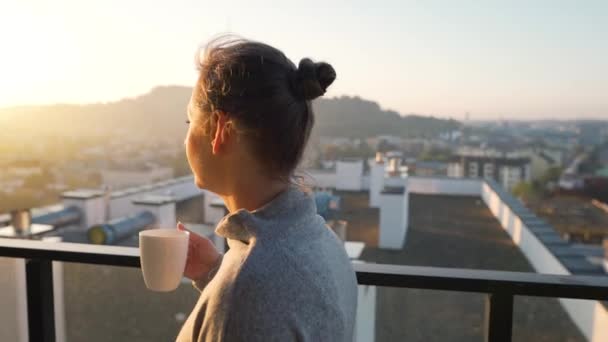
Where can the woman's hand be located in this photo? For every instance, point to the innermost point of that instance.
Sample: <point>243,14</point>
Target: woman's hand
<point>202,255</point>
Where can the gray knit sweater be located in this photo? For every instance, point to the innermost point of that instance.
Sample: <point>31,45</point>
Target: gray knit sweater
<point>286,277</point>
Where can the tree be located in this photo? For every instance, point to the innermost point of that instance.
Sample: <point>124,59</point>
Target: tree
<point>435,153</point>
<point>525,191</point>
<point>551,175</point>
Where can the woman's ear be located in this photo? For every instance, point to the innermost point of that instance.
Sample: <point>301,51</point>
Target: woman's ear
<point>223,131</point>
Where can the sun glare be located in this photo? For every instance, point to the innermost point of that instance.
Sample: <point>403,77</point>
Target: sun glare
<point>36,54</point>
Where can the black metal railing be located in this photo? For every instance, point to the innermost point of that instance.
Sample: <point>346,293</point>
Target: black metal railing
<point>499,287</point>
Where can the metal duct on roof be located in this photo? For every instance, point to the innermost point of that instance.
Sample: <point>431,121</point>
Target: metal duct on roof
<point>60,218</point>
<point>119,229</point>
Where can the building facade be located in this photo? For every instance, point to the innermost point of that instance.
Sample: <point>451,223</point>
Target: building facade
<point>507,170</point>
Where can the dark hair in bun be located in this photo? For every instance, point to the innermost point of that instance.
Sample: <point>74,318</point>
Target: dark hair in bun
<point>313,78</point>
<point>265,94</point>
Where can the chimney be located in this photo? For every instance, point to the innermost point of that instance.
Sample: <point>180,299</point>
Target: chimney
<point>107,194</point>
<point>379,158</point>
<point>394,166</point>
<point>161,206</point>
<point>21,220</point>
<point>394,217</point>
<point>90,202</point>
<point>376,183</point>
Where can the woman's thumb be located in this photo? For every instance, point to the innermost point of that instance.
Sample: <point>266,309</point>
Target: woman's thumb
<point>180,226</point>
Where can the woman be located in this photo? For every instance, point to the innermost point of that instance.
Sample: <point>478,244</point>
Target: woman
<point>286,276</point>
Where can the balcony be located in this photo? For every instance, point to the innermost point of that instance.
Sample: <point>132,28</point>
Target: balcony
<point>499,289</point>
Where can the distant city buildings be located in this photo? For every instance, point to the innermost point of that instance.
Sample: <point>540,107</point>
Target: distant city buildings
<point>542,159</point>
<point>122,178</point>
<point>428,168</point>
<point>508,169</point>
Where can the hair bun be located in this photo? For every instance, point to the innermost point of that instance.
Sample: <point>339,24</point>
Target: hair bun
<point>313,79</point>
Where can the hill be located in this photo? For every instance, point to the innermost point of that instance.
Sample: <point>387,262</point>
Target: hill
<point>163,111</point>
<point>359,118</point>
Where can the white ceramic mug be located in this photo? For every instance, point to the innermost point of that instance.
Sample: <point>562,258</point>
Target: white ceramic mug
<point>163,253</point>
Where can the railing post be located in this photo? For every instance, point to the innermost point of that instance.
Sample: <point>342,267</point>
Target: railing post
<point>498,317</point>
<point>40,306</point>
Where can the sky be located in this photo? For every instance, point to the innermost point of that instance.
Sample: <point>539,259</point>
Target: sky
<point>493,59</point>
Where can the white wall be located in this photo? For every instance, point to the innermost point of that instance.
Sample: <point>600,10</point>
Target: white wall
<point>392,181</point>
<point>591,317</point>
<point>365,324</point>
<point>58,294</point>
<point>455,170</point>
<point>122,206</point>
<point>13,300</point>
<point>322,178</point>
<point>444,186</point>
<point>93,210</point>
<point>180,189</point>
<point>365,182</point>
<point>393,220</point>
<point>349,175</point>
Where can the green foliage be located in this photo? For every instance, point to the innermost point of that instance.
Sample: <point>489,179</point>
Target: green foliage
<point>163,111</point>
<point>551,175</point>
<point>332,152</point>
<point>525,190</point>
<point>357,118</point>
<point>435,153</point>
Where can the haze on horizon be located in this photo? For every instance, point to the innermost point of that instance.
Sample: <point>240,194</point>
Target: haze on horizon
<point>509,60</point>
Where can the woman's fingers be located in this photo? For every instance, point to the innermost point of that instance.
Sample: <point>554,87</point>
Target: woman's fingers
<point>193,237</point>
<point>202,254</point>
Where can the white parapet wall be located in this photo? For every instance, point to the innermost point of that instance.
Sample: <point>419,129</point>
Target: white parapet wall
<point>365,327</point>
<point>58,294</point>
<point>394,181</point>
<point>590,316</point>
<point>13,300</point>
<point>121,202</point>
<point>349,175</point>
<point>365,182</point>
<point>444,186</point>
<point>321,178</point>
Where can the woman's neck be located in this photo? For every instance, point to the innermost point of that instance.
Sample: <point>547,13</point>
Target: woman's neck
<point>252,193</point>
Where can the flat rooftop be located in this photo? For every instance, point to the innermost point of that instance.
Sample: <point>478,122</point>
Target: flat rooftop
<point>450,231</point>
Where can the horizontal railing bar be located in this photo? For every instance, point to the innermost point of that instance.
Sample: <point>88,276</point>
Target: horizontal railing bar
<point>482,281</point>
<point>70,252</point>
<point>420,277</point>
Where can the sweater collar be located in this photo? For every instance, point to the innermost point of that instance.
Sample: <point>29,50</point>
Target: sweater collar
<point>273,218</point>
